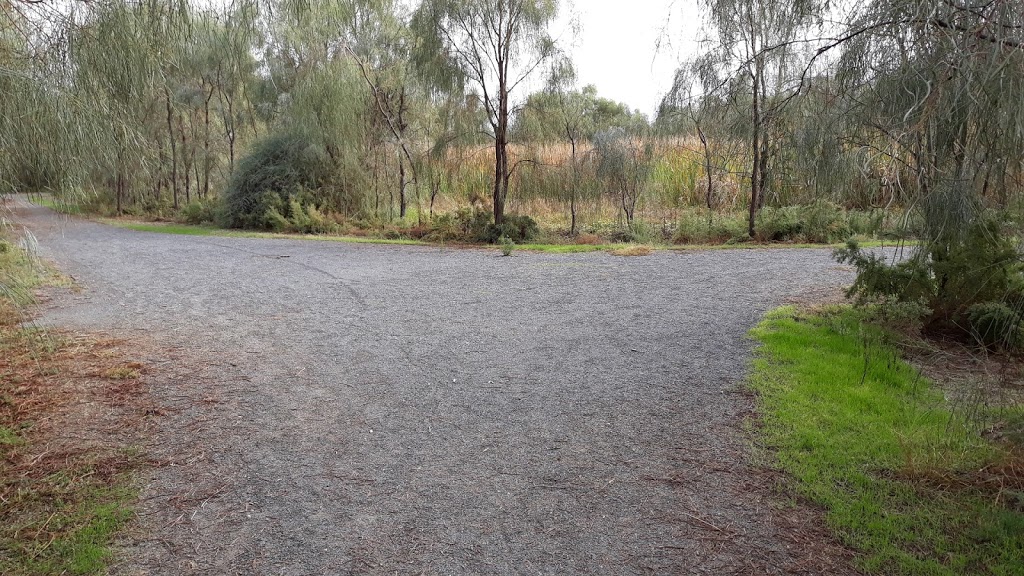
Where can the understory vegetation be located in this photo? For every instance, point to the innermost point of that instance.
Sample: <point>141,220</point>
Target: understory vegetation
<point>291,116</point>
<point>66,483</point>
<point>913,482</point>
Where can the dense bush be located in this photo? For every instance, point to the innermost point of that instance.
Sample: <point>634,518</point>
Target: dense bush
<point>474,225</point>
<point>820,222</point>
<point>199,212</point>
<point>995,325</point>
<point>463,225</point>
<point>298,216</point>
<point>276,170</point>
<point>972,283</point>
<point>709,228</point>
<point>513,227</point>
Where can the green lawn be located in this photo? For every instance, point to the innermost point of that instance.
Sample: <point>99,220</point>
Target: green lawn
<point>901,477</point>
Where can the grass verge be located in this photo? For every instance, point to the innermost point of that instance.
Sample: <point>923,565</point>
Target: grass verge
<point>204,230</point>
<point>66,478</point>
<point>910,484</point>
<point>200,230</point>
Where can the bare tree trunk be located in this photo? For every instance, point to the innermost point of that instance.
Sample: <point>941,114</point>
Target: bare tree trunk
<point>174,148</point>
<point>119,191</point>
<point>755,141</point>
<point>227,106</point>
<point>435,189</point>
<point>187,157</point>
<point>501,175</point>
<point>401,188</point>
<point>376,185</point>
<point>573,184</point>
<point>161,175</point>
<point>710,192</point>
<point>207,165</point>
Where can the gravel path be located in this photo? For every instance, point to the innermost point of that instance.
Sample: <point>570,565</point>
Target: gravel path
<point>361,409</point>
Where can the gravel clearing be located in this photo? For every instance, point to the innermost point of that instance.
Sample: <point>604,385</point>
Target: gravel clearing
<point>337,408</point>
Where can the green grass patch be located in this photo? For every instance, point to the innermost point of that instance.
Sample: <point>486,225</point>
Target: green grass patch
<point>56,204</point>
<point>64,522</point>
<point>205,230</point>
<point>178,229</point>
<point>201,230</point>
<point>564,248</point>
<point>9,437</point>
<point>902,478</point>
<point>20,275</point>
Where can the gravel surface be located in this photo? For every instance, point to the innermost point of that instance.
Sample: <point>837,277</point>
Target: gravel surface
<point>336,408</point>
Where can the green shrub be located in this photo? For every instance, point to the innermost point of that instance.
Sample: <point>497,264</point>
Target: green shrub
<point>821,222</point>
<point>274,220</point>
<point>779,224</point>
<point>906,281</point>
<point>515,228</point>
<point>621,235</point>
<point>995,325</point>
<point>276,169</point>
<point>708,228</point>
<point>394,234</point>
<point>463,225</point>
<point>866,223</point>
<point>981,265</point>
<point>507,245</point>
<point>199,212</point>
<point>824,222</point>
<point>972,282</point>
<point>299,217</point>
<point>474,225</point>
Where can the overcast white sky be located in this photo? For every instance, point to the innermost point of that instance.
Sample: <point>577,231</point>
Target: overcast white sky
<point>617,46</point>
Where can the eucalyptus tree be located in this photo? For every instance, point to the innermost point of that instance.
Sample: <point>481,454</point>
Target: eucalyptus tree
<point>498,45</point>
<point>563,113</point>
<point>575,121</point>
<point>382,47</point>
<point>235,73</point>
<point>753,59</point>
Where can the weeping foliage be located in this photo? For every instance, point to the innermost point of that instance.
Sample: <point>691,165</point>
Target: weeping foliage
<point>935,90</point>
<point>47,135</point>
<point>313,156</point>
<point>129,101</point>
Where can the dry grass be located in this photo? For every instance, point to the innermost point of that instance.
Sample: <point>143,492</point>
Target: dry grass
<point>69,431</point>
<point>633,251</point>
<point>130,371</point>
<point>71,412</point>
